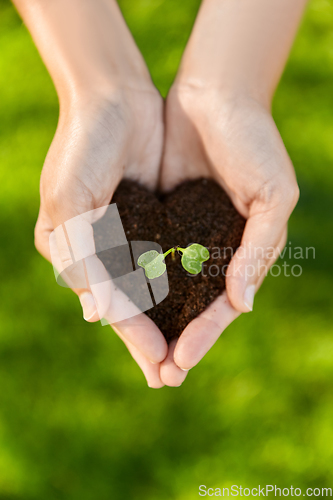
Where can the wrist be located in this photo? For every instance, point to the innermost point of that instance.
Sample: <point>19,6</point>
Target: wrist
<point>78,91</point>
<point>206,94</point>
<point>240,47</point>
<point>85,45</point>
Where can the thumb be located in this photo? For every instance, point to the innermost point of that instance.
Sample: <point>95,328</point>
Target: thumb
<point>263,239</point>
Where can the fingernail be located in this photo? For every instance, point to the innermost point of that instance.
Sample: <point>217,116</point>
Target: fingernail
<point>88,305</point>
<point>185,369</point>
<point>249,296</point>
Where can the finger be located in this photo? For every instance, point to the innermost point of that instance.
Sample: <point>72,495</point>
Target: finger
<point>71,249</point>
<point>43,230</point>
<point>170,373</point>
<point>280,246</point>
<point>143,333</point>
<point>202,333</point>
<point>150,371</point>
<point>260,247</point>
<point>138,328</point>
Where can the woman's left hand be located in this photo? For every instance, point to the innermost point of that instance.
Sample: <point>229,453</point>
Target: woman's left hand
<point>234,140</point>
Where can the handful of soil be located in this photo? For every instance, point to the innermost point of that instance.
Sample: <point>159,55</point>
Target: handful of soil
<point>196,211</point>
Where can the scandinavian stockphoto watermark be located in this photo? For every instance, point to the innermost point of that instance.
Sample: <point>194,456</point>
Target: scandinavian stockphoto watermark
<point>263,491</point>
<point>255,261</point>
<point>91,251</point>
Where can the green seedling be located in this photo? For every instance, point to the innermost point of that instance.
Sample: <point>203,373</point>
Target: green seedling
<point>192,258</point>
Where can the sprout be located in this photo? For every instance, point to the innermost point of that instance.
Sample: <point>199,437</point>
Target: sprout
<point>192,258</point>
<point>153,264</point>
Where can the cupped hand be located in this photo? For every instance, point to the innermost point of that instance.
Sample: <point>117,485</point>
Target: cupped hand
<point>233,139</point>
<point>99,140</point>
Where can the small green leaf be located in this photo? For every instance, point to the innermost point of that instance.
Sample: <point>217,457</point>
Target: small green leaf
<point>147,257</point>
<point>193,257</point>
<point>153,264</point>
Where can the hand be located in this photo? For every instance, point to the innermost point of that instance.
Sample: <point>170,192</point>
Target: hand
<point>234,140</point>
<point>99,141</point>
<point>117,131</point>
<point>110,127</point>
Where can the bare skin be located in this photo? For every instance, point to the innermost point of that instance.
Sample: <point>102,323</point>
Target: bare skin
<point>218,123</point>
<point>110,127</point>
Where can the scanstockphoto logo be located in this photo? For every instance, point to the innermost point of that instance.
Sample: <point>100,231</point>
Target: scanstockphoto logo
<point>263,491</point>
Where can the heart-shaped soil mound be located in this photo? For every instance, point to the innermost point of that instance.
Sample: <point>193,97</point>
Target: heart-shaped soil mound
<point>195,212</point>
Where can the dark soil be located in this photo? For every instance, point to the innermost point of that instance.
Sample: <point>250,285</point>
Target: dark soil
<point>195,212</point>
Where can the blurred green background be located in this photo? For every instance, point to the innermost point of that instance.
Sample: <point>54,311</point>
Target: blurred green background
<point>77,421</point>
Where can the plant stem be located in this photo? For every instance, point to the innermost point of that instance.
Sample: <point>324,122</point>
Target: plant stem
<point>172,251</point>
<point>169,251</point>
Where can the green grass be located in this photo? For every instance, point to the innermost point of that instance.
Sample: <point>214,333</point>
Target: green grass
<point>77,421</point>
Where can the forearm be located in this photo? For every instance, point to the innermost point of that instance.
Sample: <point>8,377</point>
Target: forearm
<point>85,44</point>
<point>241,45</point>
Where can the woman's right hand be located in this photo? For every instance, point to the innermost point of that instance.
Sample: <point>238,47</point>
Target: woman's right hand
<point>100,140</point>
<point>110,127</point>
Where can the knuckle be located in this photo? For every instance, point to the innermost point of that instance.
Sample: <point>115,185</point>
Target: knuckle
<point>37,239</point>
<point>280,191</point>
<point>56,198</point>
<point>290,194</point>
<point>296,194</point>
